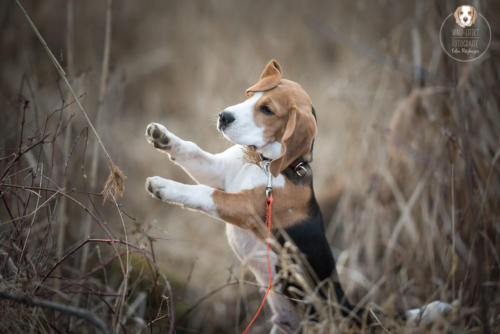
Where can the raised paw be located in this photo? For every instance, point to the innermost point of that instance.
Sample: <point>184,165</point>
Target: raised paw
<point>154,186</point>
<point>158,135</point>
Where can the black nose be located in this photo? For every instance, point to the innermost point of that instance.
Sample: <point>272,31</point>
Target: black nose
<point>465,19</point>
<point>225,118</point>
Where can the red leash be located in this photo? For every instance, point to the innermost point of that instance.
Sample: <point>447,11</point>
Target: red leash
<point>269,204</point>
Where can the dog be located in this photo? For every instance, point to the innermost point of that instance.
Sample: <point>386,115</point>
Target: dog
<point>465,16</point>
<point>273,131</point>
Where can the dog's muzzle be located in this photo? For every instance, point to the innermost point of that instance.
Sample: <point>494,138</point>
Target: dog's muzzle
<point>225,118</point>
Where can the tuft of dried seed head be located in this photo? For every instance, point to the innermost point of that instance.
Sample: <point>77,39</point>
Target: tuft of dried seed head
<point>115,184</point>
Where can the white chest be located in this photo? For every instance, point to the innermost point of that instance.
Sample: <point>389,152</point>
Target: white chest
<point>243,242</point>
<point>248,177</point>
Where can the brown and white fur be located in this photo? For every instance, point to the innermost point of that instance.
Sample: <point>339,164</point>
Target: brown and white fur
<point>465,16</point>
<point>277,123</point>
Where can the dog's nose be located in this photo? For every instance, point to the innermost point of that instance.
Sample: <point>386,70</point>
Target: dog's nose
<point>225,118</point>
<point>465,19</point>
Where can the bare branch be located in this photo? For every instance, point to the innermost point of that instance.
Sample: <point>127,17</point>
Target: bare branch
<point>75,311</point>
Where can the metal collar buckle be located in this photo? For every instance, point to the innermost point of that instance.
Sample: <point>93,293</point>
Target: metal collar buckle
<point>300,169</point>
<point>269,187</point>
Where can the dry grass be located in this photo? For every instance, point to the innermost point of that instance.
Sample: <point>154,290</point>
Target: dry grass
<point>30,197</point>
<point>406,162</point>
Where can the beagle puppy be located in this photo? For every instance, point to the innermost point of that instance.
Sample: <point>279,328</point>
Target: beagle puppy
<point>465,16</point>
<point>274,126</point>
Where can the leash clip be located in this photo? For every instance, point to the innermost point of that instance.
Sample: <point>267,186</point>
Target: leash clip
<point>269,187</point>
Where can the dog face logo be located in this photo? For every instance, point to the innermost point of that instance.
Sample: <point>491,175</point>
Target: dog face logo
<point>465,16</point>
<point>465,35</point>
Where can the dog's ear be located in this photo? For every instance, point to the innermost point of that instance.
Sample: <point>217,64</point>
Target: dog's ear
<point>297,139</point>
<point>474,15</point>
<point>269,78</point>
<point>456,14</point>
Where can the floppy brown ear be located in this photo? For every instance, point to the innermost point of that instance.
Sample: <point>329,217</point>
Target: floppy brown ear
<point>297,139</point>
<point>474,15</point>
<point>269,78</point>
<point>457,18</point>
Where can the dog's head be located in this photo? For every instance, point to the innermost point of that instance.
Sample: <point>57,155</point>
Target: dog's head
<point>465,16</point>
<point>276,119</point>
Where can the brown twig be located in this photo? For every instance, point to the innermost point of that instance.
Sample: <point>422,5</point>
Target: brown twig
<point>95,147</point>
<point>94,217</point>
<point>94,161</point>
<point>61,215</point>
<point>19,155</point>
<point>137,248</point>
<point>75,311</point>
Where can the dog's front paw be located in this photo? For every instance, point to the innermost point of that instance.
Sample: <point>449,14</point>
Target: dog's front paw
<point>158,135</point>
<point>155,185</point>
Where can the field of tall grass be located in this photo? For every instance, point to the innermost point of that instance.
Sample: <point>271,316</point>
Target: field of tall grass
<point>406,162</point>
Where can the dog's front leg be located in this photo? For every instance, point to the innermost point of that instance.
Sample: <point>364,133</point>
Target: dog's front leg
<point>192,196</point>
<point>236,209</point>
<point>203,167</point>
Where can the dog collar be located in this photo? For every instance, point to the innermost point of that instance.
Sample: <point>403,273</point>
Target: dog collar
<point>299,166</point>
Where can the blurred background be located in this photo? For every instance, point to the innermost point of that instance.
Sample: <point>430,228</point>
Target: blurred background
<point>406,159</point>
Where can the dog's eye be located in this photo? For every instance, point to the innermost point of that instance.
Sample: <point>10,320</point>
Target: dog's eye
<point>461,13</point>
<point>265,110</point>
<point>469,12</point>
